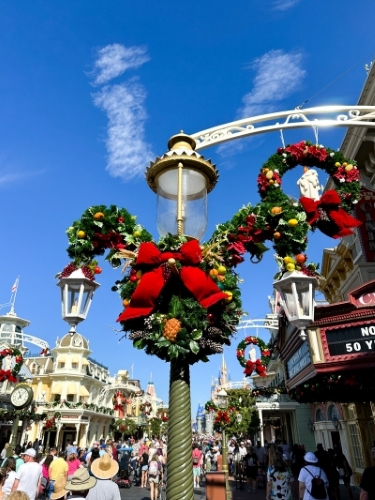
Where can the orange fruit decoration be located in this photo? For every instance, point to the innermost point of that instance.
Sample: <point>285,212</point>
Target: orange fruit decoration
<point>277,235</point>
<point>171,328</point>
<point>99,216</point>
<point>214,272</point>
<point>276,210</point>
<point>125,302</point>
<point>81,234</point>
<point>301,258</point>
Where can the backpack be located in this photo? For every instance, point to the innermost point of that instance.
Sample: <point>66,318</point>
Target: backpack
<point>153,469</point>
<point>318,488</point>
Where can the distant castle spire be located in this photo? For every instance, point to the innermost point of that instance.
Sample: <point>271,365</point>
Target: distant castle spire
<point>223,372</point>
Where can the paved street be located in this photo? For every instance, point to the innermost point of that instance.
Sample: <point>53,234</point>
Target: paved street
<point>137,493</point>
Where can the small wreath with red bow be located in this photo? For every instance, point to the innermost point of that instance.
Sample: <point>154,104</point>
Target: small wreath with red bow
<point>116,405</point>
<point>11,375</point>
<point>146,408</point>
<point>259,365</point>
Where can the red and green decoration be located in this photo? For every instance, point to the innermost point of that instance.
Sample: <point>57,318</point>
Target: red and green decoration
<point>182,299</point>
<point>125,426</point>
<point>11,374</point>
<point>118,401</point>
<point>254,365</point>
<point>210,406</point>
<point>146,408</point>
<point>50,423</point>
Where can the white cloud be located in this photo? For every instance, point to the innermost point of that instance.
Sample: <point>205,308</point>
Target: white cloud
<point>113,60</point>
<point>11,178</point>
<point>278,75</point>
<point>284,4</point>
<point>128,152</point>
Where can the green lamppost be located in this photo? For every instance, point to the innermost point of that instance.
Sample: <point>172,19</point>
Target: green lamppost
<point>181,178</point>
<point>222,403</point>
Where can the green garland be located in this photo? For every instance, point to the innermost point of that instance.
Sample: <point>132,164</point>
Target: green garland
<point>178,325</point>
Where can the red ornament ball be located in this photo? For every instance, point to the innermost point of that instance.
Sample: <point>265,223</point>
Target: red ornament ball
<point>98,270</point>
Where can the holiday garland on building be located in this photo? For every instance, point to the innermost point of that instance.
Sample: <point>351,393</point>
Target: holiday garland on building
<point>182,299</point>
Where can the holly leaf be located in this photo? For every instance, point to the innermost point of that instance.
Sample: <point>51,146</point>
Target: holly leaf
<point>173,351</point>
<point>194,346</point>
<point>163,343</point>
<point>197,335</point>
<point>139,344</point>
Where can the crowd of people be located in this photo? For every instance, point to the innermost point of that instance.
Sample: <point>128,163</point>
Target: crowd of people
<point>287,473</point>
<point>29,472</point>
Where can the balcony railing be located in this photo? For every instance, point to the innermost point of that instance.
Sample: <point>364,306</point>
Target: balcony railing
<point>274,398</point>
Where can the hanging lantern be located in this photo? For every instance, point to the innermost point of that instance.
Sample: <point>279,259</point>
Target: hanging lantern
<point>77,292</point>
<point>297,292</point>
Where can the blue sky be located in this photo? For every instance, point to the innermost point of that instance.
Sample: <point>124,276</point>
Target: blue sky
<point>91,91</point>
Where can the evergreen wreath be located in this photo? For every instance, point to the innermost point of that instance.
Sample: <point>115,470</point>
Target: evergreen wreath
<point>259,365</point>
<point>11,375</point>
<point>181,299</point>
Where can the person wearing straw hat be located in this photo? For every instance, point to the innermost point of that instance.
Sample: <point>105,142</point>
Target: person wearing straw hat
<point>80,484</point>
<point>104,468</point>
<point>59,491</point>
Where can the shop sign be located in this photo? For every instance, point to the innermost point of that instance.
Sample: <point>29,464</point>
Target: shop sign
<point>365,212</point>
<point>351,340</point>
<point>299,360</point>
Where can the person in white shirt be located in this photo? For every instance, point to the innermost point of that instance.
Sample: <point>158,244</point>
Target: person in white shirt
<point>29,475</point>
<point>307,474</point>
<point>242,451</point>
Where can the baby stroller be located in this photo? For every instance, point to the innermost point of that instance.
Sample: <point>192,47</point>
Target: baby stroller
<point>123,479</point>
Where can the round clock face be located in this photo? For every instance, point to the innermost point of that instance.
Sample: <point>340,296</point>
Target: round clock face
<point>20,396</point>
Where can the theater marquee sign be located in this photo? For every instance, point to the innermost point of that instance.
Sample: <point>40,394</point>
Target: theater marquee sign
<point>354,339</point>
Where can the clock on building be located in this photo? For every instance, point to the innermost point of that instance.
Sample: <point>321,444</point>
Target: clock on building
<point>21,396</point>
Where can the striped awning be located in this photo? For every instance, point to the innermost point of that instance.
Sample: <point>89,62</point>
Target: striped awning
<point>72,389</point>
<point>83,391</point>
<point>56,388</point>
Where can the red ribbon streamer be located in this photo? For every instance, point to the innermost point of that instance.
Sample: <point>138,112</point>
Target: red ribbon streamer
<point>201,285</point>
<point>255,365</point>
<point>330,202</point>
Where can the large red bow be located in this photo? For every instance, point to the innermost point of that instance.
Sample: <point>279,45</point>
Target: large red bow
<point>7,375</point>
<point>257,365</point>
<point>150,286</point>
<point>330,203</point>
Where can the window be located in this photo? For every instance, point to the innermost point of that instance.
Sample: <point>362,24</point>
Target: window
<point>75,365</point>
<point>319,417</point>
<point>61,365</point>
<point>332,412</point>
<point>356,446</point>
<point>70,398</point>
<point>57,397</point>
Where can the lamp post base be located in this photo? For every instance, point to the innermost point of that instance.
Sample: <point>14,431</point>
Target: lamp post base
<point>180,462</point>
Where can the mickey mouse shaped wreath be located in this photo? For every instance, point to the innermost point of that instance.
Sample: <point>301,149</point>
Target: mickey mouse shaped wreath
<point>253,364</point>
<point>6,372</point>
<point>181,299</point>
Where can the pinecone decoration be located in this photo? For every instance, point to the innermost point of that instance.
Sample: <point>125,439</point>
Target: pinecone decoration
<point>139,334</point>
<point>213,332</point>
<point>210,345</point>
<point>171,328</point>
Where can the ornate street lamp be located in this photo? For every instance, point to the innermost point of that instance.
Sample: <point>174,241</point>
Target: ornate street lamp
<point>222,403</point>
<point>181,178</point>
<point>77,292</point>
<point>297,291</point>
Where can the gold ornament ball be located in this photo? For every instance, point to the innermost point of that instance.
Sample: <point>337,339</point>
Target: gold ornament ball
<point>292,222</point>
<point>288,260</point>
<point>229,296</point>
<point>290,267</point>
<point>349,167</point>
<point>81,234</point>
<point>337,164</point>
<point>269,174</point>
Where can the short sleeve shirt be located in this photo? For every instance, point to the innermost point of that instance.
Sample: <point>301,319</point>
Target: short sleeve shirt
<point>58,468</point>
<point>306,476</point>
